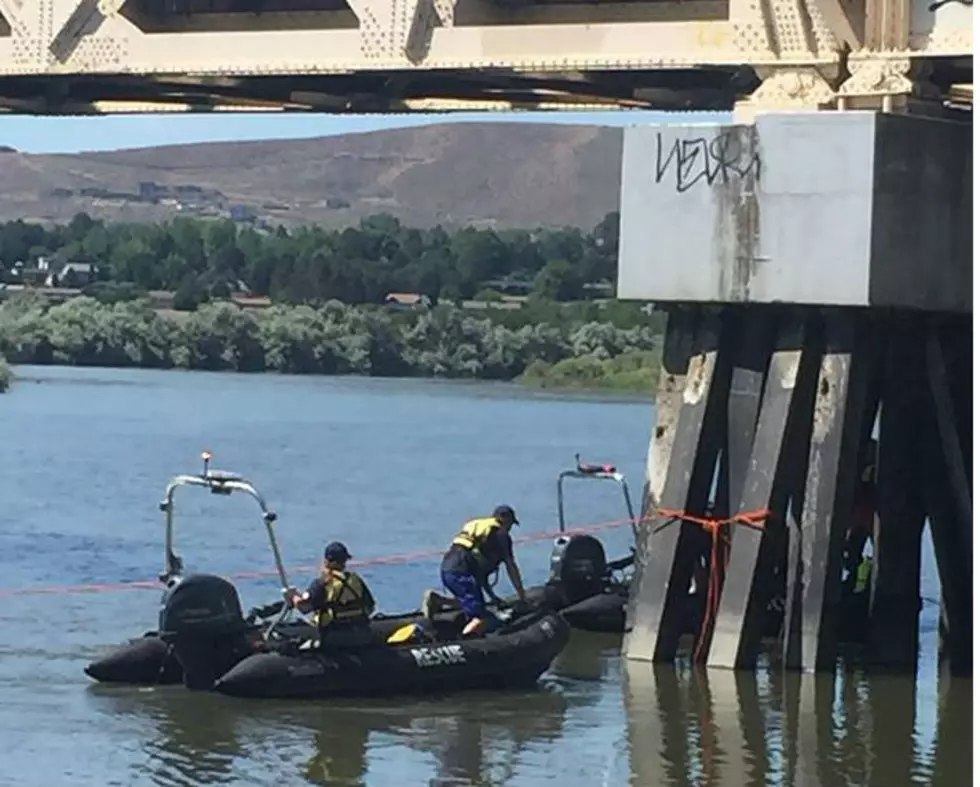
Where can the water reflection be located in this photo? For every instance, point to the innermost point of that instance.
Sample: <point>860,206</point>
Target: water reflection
<point>701,728</point>
<point>952,749</point>
<point>477,738</point>
<point>209,739</point>
<point>588,657</point>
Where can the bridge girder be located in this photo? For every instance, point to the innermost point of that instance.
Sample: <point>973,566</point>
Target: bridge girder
<point>92,56</point>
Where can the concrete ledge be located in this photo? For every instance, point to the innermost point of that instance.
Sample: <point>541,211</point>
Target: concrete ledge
<point>821,208</point>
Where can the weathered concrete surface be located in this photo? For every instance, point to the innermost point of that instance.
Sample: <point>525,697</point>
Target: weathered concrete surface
<point>922,216</point>
<point>839,419</point>
<point>821,208</point>
<point>691,428</point>
<point>949,503</point>
<point>893,624</point>
<point>738,629</point>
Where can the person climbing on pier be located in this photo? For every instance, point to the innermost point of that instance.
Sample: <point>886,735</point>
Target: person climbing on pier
<point>858,557</point>
<point>339,599</point>
<point>475,553</point>
<point>859,540</point>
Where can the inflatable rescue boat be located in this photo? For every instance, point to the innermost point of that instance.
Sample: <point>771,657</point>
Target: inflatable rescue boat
<point>515,655</point>
<point>203,635</point>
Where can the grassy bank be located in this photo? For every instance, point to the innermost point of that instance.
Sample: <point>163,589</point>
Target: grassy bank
<point>5,374</point>
<point>634,371</point>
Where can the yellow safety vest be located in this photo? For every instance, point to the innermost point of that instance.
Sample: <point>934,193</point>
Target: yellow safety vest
<point>862,575</point>
<point>475,534</point>
<point>345,599</point>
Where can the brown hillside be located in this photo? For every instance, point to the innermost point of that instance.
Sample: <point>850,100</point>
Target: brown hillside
<point>501,174</point>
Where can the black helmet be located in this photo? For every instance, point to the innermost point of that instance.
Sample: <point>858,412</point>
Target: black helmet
<point>336,552</point>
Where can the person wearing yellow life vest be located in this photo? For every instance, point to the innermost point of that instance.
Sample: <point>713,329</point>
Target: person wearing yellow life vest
<point>475,553</point>
<point>862,576</point>
<point>858,556</point>
<point>339,599</point>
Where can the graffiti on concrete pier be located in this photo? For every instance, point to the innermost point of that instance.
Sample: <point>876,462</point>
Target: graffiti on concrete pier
<point>730,155</point>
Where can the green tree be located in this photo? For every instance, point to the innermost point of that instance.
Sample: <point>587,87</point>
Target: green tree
<point>5,375</point>
<point>189,295</point>
<point>558,281</point>
<point>133,261</point>
<point>218,236</point>
<point>80,227</point>
<point>357,264</point>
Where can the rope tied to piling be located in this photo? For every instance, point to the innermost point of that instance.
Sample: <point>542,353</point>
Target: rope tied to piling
<point>718,529</point>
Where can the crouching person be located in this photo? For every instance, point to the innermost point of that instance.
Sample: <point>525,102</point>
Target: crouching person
<point>481,546</point>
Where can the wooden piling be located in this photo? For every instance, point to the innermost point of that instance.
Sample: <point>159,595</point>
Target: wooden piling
<point>838,420</point>
<point>948,355</point>
<point>691,423</point>
<point>795,470</point>
<point>949,504</point>
<point>791,426</point>
<point>895,599</point>
<point>677,353</point>
<point>746,591</point>
<point>753,330</point>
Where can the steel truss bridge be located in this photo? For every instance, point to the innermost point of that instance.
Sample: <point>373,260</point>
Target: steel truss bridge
<point>60,57</point>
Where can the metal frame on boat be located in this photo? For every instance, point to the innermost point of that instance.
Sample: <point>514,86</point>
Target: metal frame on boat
<point>600,473</point>
<point>222,482</point>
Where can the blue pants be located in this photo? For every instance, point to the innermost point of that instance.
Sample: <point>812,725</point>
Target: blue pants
<point>465,588</point>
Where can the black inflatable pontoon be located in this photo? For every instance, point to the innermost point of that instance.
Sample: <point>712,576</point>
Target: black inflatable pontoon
<point>515,655</point>
<point>144,661</point>
<point>205,638</point>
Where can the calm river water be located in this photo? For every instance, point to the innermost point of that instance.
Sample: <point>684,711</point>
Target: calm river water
<point>389,467</point>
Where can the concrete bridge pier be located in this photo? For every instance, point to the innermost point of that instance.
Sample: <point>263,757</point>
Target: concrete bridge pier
<point>817,272</point>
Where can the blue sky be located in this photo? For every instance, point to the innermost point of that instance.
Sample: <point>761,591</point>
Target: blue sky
<point>72,134</point>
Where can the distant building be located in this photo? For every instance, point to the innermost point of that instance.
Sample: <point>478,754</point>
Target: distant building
<point>72,274</point>
<point>150,191</point>
<point>32,275</point>
<point>241,213</point>
<point>600,289</point>
<point>510,285</point>
<point>407,300</point>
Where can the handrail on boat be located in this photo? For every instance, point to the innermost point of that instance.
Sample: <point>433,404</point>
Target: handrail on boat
<point>602,473</point>
<point>220,482</point>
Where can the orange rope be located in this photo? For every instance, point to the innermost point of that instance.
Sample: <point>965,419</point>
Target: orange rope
<point>405,557</point>
<point>717,527</point>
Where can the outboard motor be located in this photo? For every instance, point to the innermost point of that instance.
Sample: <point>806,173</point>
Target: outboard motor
<point>202,621</point>
<point>578,566</point>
